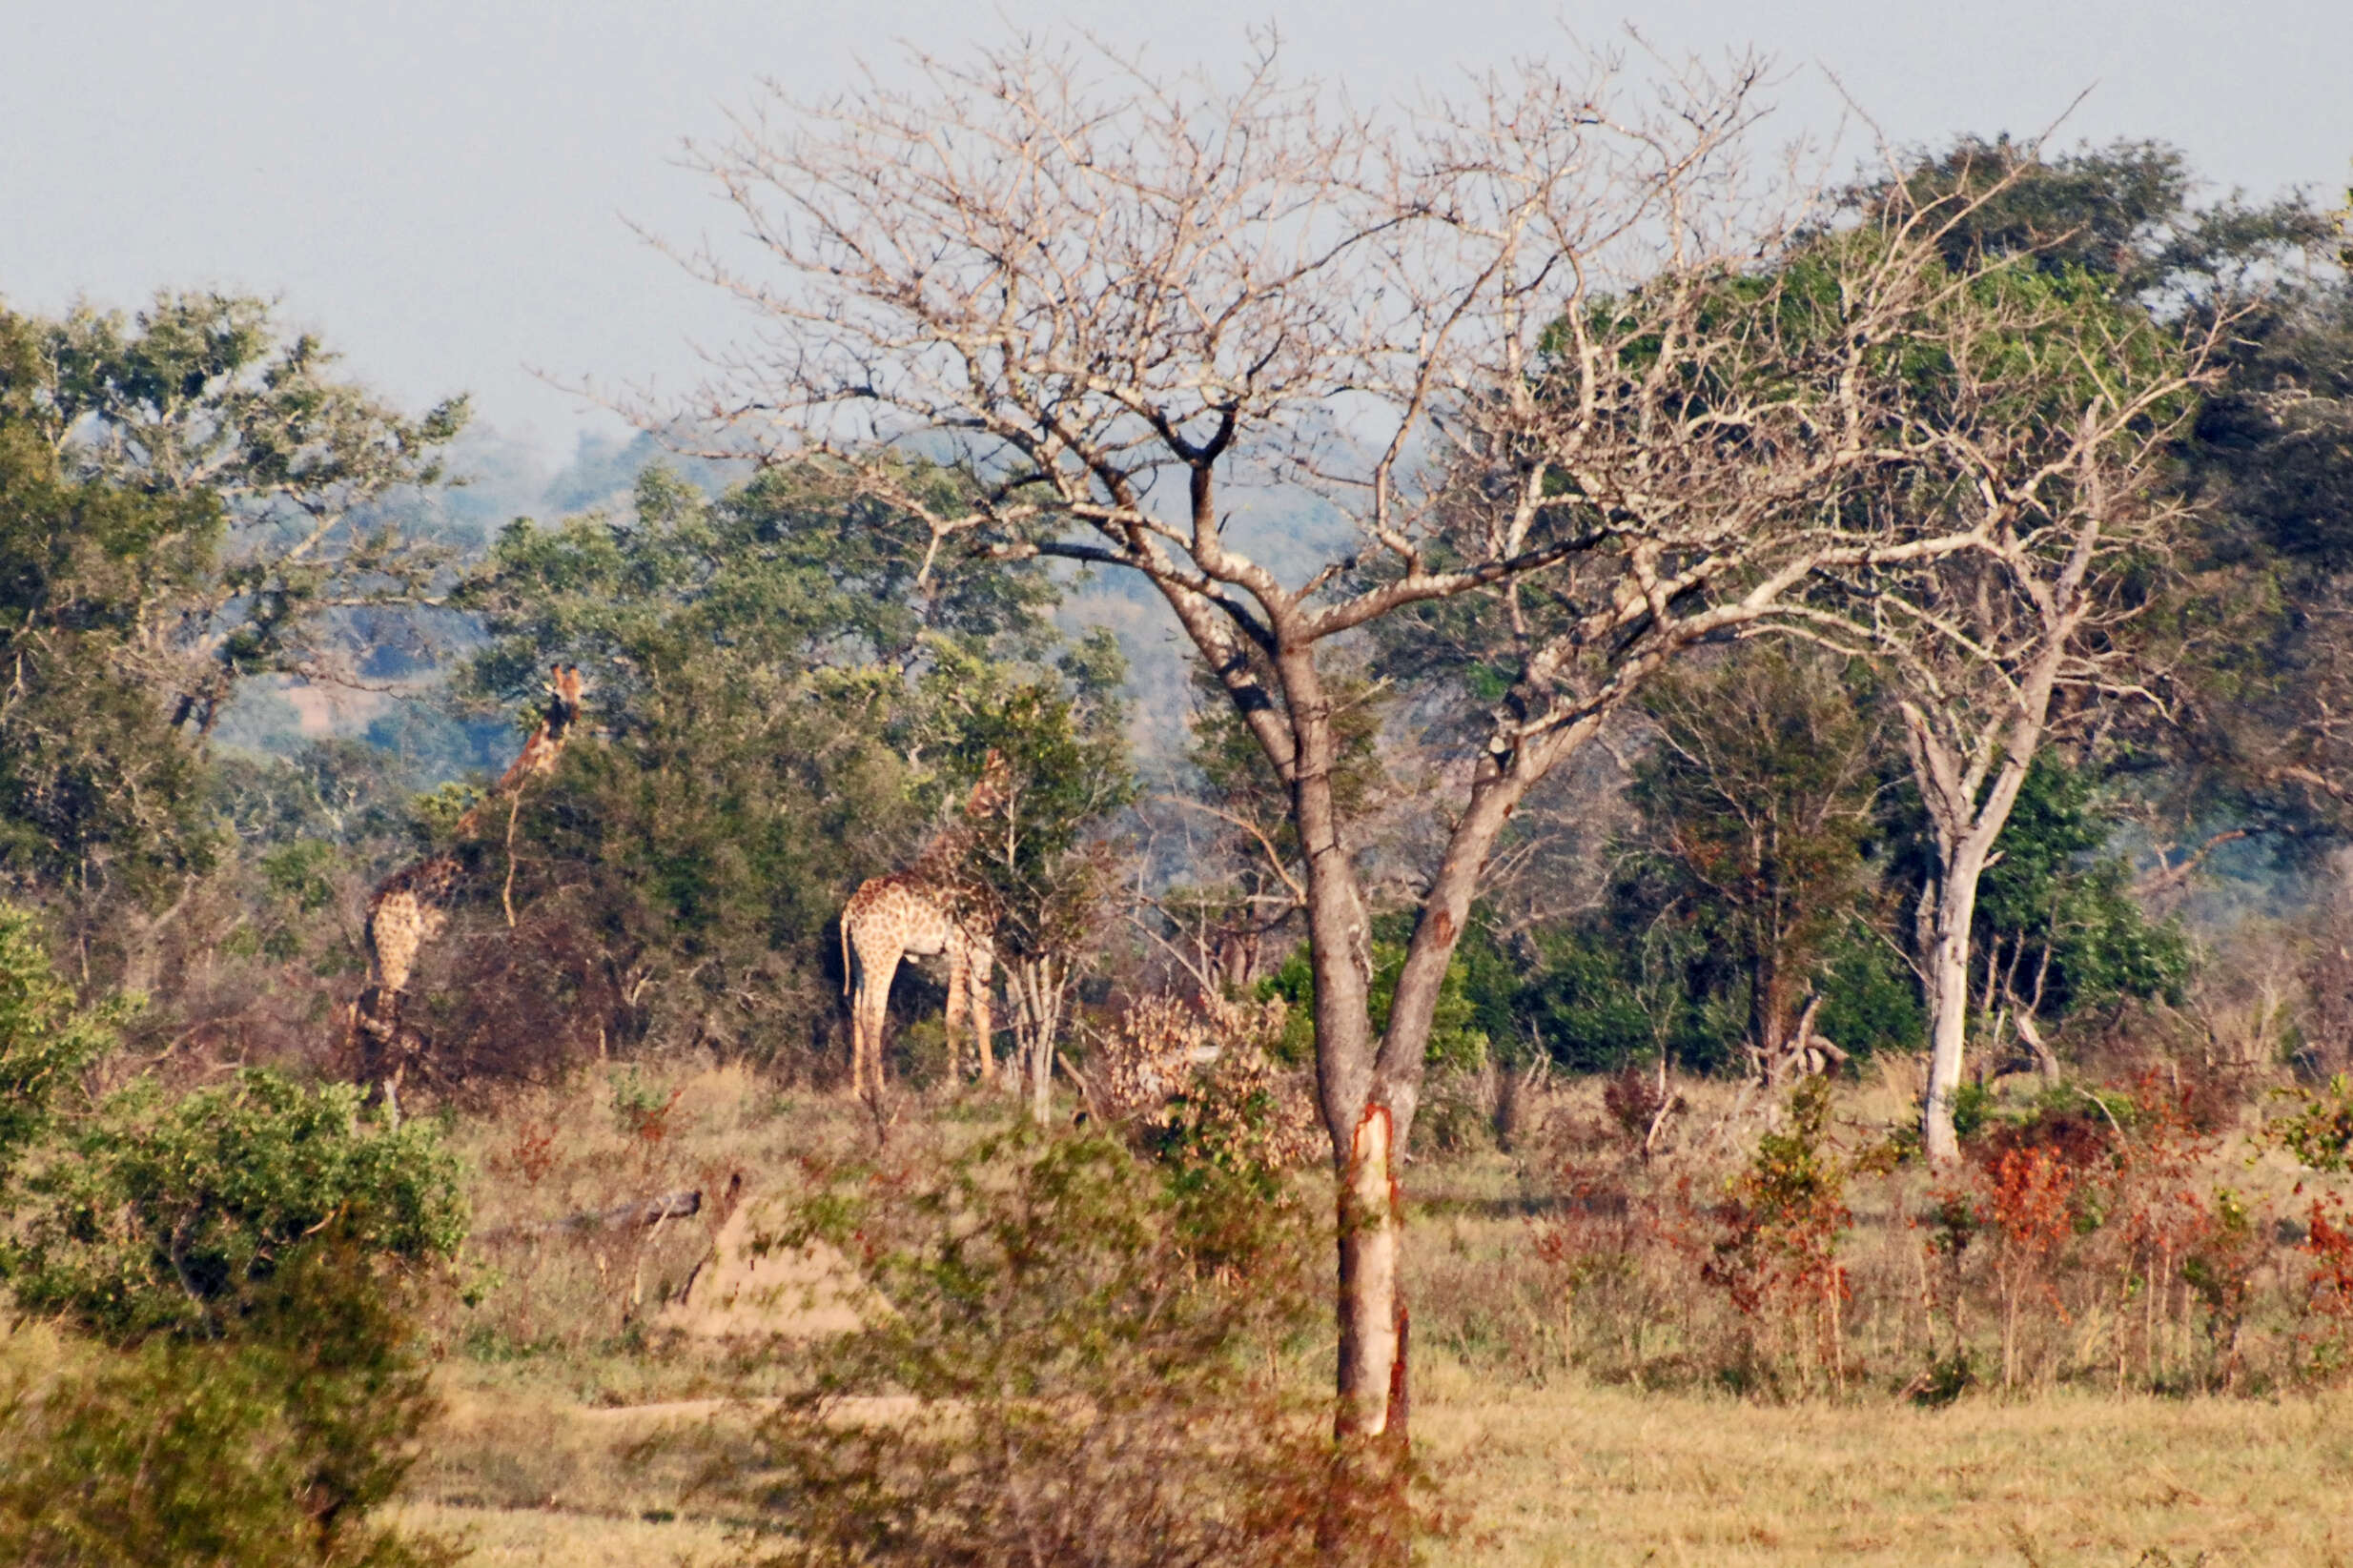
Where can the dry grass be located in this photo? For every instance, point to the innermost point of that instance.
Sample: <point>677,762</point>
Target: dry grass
<point>1574,1474</point>
<point>1555,1465</point>
<point>506,1538</point>
<point>1582,1474</point>
<point>539,1457</point>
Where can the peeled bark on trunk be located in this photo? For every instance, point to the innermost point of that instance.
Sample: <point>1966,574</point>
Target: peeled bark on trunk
<point>1372,1317</point>
<point>1373,1382</point>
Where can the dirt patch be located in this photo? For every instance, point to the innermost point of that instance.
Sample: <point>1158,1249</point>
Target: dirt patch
<point>747,1289</point>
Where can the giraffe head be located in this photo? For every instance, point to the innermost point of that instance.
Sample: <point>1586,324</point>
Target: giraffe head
<point>562,699</point>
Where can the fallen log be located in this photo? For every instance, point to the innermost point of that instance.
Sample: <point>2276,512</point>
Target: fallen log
<point>634,1214</point>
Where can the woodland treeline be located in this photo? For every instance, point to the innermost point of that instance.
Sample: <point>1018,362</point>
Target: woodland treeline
<point>786,681</point>
<point>1504,589</point>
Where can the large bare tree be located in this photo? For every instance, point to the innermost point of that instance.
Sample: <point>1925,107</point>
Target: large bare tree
<point>1535,359</point>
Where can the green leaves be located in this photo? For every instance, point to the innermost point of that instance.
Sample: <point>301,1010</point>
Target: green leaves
<point>45,1037</point>
<point>2319,1133</point>
<point>268,1451</point>
<point>789,574</point>
<point>167,1215</point>
<point>92,777</point>
<point>1458,1041</point>
<point>2055,890</point>
<point>199,403</point>
<point>237,1253</point>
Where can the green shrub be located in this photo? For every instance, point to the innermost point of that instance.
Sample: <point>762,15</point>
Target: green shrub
<point>161,1214</point>
<point>2319,1133</point>
<point>265,1450</point>
<point>44,1037</point>
<point>242,1258</point>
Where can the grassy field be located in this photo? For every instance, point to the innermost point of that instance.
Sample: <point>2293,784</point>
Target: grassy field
<point>1578,1474</point>
<point>569,1359</point>
<point>1608,1476</point>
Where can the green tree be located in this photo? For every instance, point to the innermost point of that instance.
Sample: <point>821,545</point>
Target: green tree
<point>1759,793</point>
<point>188,498</point>
<point>2125,213</point>
<point>202,400</point>
<point>771,671</point>
<point>96,787</point>
<point>1041,861</point>
<point>2270,465</point>
<point>2059,935</point>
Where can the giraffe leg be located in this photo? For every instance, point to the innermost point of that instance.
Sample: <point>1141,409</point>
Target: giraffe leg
<point>959,983</point>
<point>980,968</point>
<point>869,1009</point>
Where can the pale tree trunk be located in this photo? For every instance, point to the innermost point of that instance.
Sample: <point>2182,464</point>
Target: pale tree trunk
<point>1968,814</point>
<point>1946,988</point>
<point>1041,990</point>
<point>1297,739</point>
<point>1969,772</point>
<point>1371,1318</point>
<point>1374,1318</point>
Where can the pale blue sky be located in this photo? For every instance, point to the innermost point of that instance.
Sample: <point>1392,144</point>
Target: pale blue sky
<point>440,187</point>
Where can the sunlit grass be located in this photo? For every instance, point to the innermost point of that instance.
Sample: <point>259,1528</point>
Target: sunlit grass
<point>550,1392</point>
<point>1574,1474</point>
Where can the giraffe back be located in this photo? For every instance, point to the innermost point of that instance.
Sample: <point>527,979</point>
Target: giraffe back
<point>409,910</point>
<point>903,912</point>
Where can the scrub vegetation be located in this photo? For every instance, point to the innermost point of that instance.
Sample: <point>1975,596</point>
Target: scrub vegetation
<point>1664,858</point>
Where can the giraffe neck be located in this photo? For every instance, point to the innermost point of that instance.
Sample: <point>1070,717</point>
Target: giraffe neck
<point>941,864</point>
<point>539,753</point>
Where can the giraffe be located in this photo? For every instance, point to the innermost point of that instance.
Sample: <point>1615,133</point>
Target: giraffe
<point>410,908</point>
<point>932,907</point>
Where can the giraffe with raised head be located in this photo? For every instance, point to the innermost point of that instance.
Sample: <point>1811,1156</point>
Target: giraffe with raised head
<point>410,907</point>
<point>933,907</point>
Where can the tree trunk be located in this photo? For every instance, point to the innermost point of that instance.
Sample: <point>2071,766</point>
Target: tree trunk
<point>1446,910</point>
<point>1046,992</point>
<point>1372,1316</point>
<point>1373,1386</point>
<point>1339,946</point>
<point>1948,997</point>
<point>143,938</point>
